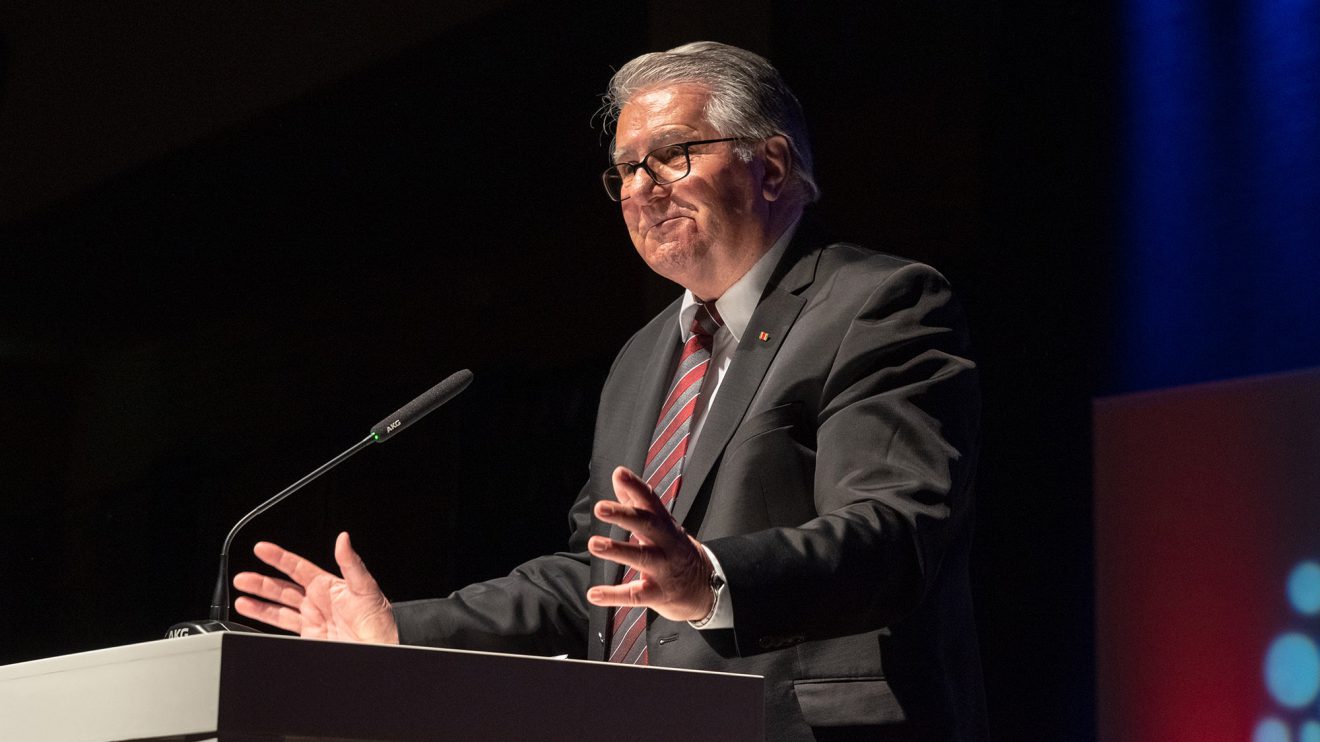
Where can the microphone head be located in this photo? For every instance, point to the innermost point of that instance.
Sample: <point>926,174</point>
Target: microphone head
<point>422,406</point>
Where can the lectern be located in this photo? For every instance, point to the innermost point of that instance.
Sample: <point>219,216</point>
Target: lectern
<point>260,688</point>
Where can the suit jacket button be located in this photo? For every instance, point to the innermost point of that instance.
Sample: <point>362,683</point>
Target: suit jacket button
<point>600,635</point>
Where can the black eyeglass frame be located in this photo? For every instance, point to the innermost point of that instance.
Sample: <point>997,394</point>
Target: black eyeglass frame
<point>612,172</point>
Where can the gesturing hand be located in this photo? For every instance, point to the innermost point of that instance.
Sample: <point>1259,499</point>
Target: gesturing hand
<point>675,574</point>
<point>317,603</point>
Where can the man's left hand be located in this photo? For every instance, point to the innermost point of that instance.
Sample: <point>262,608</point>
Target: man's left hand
<point>675,574</point>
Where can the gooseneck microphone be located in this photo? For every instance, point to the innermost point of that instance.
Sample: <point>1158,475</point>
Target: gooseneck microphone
<point>382,431</point>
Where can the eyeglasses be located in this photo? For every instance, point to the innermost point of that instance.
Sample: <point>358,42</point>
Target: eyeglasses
<point>665,165</point>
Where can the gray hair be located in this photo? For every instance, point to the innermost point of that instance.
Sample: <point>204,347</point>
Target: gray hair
<point>748,98</point>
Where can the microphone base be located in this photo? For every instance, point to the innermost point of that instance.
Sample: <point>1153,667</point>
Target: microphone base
<point>207,626</point>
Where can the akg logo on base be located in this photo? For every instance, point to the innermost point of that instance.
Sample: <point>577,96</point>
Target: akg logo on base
<point>390,428</point>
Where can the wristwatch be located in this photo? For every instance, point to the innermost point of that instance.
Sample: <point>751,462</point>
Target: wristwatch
<point>716,584</point>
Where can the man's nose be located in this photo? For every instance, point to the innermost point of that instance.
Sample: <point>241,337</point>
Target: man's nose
<point>642,186</point>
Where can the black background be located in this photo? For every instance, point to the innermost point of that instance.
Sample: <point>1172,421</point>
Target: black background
<point>187,336</point>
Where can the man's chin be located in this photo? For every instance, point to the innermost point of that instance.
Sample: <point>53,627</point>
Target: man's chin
<point>673,260</point>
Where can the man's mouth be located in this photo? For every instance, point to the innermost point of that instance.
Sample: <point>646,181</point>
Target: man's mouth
<point>659,222</point>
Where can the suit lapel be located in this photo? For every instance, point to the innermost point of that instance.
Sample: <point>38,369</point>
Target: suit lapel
<point>775,314</point>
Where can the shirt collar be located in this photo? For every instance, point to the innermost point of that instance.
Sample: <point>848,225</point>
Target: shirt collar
<point>740,300</point>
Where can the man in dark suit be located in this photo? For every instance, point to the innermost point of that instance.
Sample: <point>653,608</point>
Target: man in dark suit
<point>804,421</point>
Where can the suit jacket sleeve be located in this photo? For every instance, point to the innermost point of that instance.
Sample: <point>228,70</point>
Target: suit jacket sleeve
<point>895,424</point>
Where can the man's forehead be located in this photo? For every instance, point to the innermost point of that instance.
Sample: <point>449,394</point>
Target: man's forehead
<point>659,116</point>
<point>658,137</point>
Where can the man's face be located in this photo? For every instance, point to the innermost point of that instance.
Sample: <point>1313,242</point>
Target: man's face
<point>702,230</point>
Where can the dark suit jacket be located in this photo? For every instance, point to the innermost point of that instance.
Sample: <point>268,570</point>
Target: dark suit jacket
<point>832,479</point>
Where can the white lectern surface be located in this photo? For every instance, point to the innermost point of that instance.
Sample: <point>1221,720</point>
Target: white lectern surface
<point>260,688</point>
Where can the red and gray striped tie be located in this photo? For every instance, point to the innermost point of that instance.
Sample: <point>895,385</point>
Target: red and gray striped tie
<point>664,466</point>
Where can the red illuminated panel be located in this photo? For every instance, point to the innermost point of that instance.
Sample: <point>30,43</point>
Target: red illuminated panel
<point>1207,499</point>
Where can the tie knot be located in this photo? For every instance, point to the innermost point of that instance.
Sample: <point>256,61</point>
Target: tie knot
<point>707,320</point>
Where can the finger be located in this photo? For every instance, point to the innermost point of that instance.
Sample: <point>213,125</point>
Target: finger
<point>616,513</point>
<point>637,592</point>
<point>272,589</point>
<point>301,570</point>
<point>630,490</point>
<point>354,570</point>
<point>649,526</point>
<point>643,558</point>
<point>279,616</point>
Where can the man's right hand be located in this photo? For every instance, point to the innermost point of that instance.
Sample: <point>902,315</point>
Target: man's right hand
<point>316,603</point>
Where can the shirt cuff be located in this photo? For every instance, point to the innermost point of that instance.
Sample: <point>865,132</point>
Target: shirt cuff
<point>723,615</point>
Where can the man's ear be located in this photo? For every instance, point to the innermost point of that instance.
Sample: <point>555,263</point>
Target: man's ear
<point>778,167</point>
